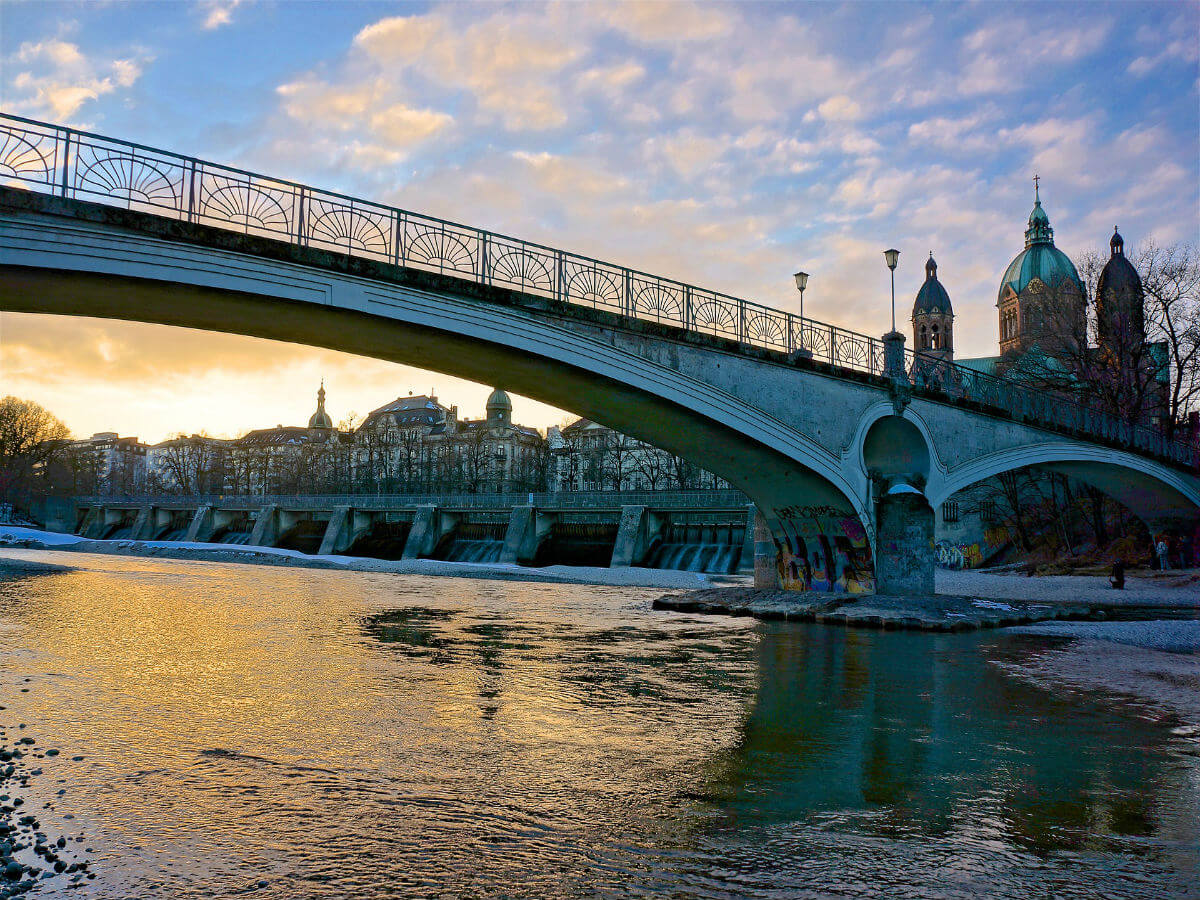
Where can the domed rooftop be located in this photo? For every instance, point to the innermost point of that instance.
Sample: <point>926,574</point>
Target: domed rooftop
<point>499,400</point>
<point>1120,301</point>
<point>932,297</point>
<point>320,419</point>
<point>1040,259</point>
<point>1119,277</point>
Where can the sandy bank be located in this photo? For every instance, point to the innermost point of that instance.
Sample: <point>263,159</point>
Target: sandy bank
<point>1103,661</point>
<point>17,538</point>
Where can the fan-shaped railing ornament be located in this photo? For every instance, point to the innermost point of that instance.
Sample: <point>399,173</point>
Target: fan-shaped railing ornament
<point>657,301</point>
<point>244,204</point>
<point>522,267</point>
<point>767,328</point>
<point>341,225</point>
<point>28,157</point>
<point>852,351</point>
<point>590,285</point>
<point>129,177</point>
<point>714,316</point>
<point>433,247</point>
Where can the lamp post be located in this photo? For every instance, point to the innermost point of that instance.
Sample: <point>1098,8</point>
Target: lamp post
<point>801,283</point>
<point>892,257</point>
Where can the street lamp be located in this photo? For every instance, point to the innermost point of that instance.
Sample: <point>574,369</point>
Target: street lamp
<point>892,257</point>
<point>801,283</point>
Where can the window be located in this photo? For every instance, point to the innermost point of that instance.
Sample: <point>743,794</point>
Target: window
<point>924,342</point>
<point>950,512</point>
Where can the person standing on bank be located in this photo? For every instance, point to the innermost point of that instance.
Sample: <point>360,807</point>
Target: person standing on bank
<point>1164,562</point>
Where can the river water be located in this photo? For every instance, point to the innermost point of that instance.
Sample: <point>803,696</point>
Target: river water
<point>292,733</point>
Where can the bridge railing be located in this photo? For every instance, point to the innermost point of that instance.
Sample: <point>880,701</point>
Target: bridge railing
<point>717,499</point>
<point>1077,413</point>
<point>70,163</point>
<point>78,164</point>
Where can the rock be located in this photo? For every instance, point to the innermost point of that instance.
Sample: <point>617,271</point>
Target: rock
<point>13,869</point>
<point>52,753</point>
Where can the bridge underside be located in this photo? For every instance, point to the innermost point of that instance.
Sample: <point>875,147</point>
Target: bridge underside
<point>801,506</point>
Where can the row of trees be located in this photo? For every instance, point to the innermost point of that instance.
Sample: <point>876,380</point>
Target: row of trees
<point>618,462</point>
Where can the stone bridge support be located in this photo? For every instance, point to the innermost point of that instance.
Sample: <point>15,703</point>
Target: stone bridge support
<point>143,525</point>
<point>346,525</point>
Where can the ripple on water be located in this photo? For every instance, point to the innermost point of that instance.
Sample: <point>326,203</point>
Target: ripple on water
<point>288,733</point>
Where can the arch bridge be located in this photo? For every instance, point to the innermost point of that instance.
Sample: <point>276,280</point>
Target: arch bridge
<point>844,453</point>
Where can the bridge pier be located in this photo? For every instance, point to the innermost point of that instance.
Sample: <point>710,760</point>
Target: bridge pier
<point>904,548</point>
<point>92,520</point>
<point>143,524</point>
<point>339,533</point>
<point>201,528</point>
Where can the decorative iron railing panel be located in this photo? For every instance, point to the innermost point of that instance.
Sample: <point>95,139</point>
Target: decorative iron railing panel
<point>77,164</point>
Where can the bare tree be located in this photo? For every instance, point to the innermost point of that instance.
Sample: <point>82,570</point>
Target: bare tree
<point>30,438</point>
<point>1171,280</point>
<point>655,466</point>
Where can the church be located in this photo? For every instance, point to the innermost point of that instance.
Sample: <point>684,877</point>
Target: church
<point>1042,307</point>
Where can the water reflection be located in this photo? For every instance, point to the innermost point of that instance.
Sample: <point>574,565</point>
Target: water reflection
<point>345,734</point>
<point>929,733</point>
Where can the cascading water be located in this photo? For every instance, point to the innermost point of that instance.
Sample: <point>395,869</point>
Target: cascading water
<point>715,549</point>
<point>475,542</point>
<point>471,550</point>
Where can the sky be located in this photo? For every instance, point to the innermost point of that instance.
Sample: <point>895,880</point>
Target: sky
<point>726,145</point>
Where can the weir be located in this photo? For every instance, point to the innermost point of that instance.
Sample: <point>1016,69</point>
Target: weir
<point>701,531</point>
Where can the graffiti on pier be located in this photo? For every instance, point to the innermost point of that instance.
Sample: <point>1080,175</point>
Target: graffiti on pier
<point>824,549</point>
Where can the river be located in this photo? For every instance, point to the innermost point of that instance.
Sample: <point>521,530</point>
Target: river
<point>292,733</point>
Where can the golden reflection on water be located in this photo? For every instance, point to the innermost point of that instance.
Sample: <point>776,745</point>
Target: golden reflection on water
<point>348,734</point>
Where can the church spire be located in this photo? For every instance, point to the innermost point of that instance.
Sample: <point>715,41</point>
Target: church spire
<point>1039,230</point>
<point>320,419</point>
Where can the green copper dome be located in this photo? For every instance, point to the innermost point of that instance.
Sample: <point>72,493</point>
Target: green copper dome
<point>1040,259</point>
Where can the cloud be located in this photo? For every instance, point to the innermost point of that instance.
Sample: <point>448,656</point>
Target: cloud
<point>55,79</point>
<point>510,68</point>
<point>218,13</point>
<point>840,109</point>
<point>385,128</point>
<point>653,22</point>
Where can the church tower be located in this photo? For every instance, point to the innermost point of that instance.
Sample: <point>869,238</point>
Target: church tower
<point>1120,304</point>
<point>1042,301</point>
<point>933,317</point>
<point>320,424</point>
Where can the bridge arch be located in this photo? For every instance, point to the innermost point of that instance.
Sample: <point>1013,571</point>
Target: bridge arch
<point>1156,494</point>
<point>642,387</point>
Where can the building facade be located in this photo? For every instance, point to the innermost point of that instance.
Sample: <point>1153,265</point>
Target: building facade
<point>417,445</point>
<point>588,456</point>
